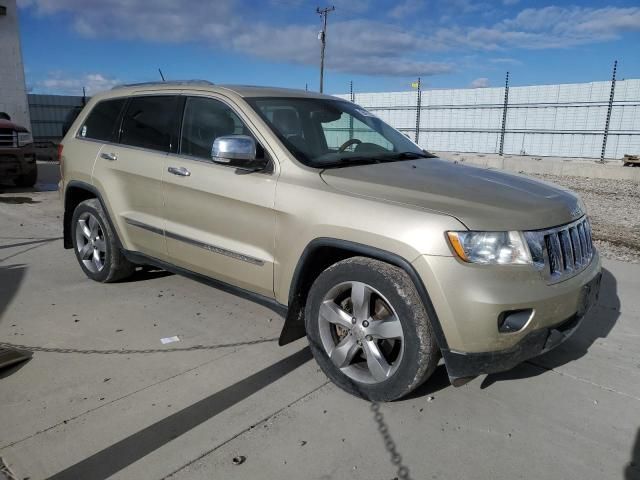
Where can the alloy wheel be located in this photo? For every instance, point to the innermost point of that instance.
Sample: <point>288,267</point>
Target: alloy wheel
<point>361,332</point>
<point>90,242</point>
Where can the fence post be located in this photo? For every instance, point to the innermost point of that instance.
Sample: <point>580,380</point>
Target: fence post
<point>418,111</point>
<point>606,124</point>
<point>504,114</point>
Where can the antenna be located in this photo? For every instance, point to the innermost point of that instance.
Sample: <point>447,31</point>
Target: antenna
<point>324,13</point>
<point>161,75</point>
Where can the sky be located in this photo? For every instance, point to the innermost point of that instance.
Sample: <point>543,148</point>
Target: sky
<point>380,45</point>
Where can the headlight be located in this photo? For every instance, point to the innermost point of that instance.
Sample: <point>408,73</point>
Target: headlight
<point>497,248</point>
<point>24,138</point>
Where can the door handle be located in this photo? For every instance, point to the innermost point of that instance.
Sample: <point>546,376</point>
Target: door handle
<point>109,156</point>
<point>180,171</point>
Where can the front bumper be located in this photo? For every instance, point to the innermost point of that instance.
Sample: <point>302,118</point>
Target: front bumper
<point>462,365</point>
<point>469,301</point>
<point>16,161</point>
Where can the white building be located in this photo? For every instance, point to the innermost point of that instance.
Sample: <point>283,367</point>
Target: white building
<point>13,91</point>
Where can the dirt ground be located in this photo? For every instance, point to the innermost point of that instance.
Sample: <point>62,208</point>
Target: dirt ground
<point>613,207</point>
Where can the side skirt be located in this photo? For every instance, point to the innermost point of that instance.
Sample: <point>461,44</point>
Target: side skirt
<point>142,259</point>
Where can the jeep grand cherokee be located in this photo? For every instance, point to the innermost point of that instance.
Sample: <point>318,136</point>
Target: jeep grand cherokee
<point>385,257</point>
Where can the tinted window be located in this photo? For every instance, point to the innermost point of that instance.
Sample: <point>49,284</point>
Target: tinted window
<point>149,122</point>
<point>205,120</point>
<point>101,122</point>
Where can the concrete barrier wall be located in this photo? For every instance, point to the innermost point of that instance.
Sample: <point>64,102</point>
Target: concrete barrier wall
<point>552,166</point>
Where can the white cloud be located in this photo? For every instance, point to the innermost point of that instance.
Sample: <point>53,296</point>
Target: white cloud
<point>506,61</point>
<point>406,8</point>
<point>354,46</point>
<point>65,84</point>
<point>481,82</point>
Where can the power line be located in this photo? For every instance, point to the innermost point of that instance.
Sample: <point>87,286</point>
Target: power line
<point>324,13</point>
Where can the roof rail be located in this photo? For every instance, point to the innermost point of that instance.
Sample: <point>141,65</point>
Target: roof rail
<point>170,82</point>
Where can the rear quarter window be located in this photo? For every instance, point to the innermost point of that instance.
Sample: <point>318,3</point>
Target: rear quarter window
<point>101,121</point>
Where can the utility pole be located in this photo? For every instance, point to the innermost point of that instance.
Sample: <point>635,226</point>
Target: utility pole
<point>324,13</point>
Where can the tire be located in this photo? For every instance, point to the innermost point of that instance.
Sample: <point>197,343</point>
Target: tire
<point>95,244</point>
<point>397,328</point>
<point>28,179</point>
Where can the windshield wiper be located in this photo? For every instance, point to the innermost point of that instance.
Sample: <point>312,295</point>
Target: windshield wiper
<point>348,161</point>
<point>412,155</point>
<point>366,160</point>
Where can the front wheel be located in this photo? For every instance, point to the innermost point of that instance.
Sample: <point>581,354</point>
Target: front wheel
<point>368,329</point>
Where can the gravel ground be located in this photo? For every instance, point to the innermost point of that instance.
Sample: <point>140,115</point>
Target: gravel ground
<point>614,210</point>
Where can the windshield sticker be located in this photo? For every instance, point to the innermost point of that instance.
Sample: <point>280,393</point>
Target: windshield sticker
<point>83,132</point>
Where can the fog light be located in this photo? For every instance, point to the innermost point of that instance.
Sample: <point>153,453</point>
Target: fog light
<point>514,320</point>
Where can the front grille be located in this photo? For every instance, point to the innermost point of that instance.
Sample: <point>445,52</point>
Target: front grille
<point>8,138</point>
<point>562,252</point>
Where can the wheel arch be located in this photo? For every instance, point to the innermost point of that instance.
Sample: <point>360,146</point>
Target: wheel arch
<point>75,193</point>
<point>323,252</point>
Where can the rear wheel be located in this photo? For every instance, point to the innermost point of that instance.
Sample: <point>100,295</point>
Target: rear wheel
<point>95,245</point>
<point>369,330</point>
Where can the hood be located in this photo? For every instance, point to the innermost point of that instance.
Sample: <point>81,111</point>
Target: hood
<point>482,199</point>
<point>13,126</point>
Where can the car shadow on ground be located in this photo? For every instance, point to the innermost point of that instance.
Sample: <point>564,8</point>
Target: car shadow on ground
<point>123,453</point>
<point>597,324</point>
<point>11,277</point>
<point>632,469</point>
<point>147,272</point>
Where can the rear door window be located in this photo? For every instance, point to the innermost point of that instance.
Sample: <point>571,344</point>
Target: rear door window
<point>101,123</point>
<point>151,122</point>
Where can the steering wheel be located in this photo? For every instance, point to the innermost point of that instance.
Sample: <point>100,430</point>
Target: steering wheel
<point>348,143</point>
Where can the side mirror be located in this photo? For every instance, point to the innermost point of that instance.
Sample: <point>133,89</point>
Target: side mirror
<point>238,151</point>
<point>233,147</point>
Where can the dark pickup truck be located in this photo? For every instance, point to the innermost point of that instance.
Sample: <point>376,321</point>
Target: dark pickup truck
<point>17,155</point>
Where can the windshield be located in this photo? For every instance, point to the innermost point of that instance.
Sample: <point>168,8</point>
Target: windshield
<point>326,133</point>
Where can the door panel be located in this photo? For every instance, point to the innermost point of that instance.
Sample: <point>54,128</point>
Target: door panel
<point>221,224</point>
<point>130,171</point>
<point>218,223</point>
<point>132,184</point>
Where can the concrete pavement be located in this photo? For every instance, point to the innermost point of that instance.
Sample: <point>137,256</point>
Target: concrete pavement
<point>108,399</point>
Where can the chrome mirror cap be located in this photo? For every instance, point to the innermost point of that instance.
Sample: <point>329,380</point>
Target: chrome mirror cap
<point>233,148</point>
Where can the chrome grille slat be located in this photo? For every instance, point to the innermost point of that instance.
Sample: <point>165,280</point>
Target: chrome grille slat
<point>583,242</point>
<point>8,138</point>
<point>565,242</point>
<point>562,252</point>
<point>575,243</point>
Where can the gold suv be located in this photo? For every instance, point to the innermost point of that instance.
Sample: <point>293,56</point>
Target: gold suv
<point>384,256</point>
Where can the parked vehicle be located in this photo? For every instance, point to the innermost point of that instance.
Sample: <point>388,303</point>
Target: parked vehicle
<point>385,257</point>
<point>17,155</point>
